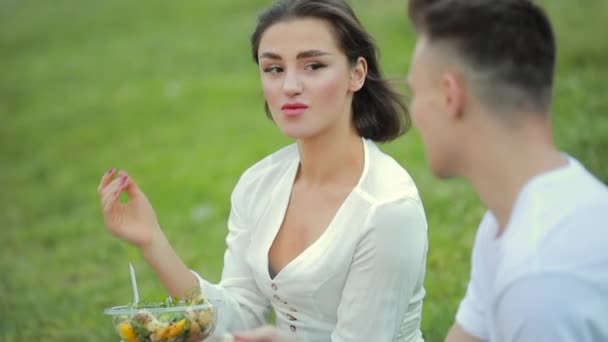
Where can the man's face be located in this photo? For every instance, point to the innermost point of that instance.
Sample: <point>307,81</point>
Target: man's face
<point>429,110</point>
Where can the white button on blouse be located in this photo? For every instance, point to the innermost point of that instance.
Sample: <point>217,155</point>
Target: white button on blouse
<point>362,280</point>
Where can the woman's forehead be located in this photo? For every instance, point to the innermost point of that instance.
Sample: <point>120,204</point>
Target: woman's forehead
<point>297,35</point>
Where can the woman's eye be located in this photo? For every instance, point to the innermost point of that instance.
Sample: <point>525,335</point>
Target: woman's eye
<point>315,66</point>
<point>273,69</point>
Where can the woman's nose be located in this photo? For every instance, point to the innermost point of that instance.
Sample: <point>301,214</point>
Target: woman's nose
<point>291,84</point>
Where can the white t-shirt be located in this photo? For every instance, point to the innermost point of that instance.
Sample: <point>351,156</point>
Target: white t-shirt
<point>546,277</point>
<point>362,280</point>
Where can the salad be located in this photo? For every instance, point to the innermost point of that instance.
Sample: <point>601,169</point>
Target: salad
<point>173,320</point>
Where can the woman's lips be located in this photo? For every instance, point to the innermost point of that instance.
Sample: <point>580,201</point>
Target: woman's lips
<point>294,109</point>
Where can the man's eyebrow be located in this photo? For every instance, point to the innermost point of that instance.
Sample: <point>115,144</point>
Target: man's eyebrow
<point>300,55</point>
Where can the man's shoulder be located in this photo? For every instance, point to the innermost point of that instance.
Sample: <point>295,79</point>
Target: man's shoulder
<point>571,242</point>
<point>558,212</point>
<point>567,191</point>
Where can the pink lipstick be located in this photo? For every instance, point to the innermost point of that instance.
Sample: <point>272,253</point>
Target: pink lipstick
<point>293,109</point>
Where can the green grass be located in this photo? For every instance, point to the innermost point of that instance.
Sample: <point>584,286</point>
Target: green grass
<point>169,92</point>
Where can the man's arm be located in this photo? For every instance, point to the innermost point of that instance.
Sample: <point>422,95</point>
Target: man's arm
<point>457,334</point>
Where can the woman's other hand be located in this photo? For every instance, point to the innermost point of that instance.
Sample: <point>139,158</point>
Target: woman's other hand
<point>264,334</point>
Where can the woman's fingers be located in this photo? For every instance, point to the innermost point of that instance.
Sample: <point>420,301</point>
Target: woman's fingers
<point>110,189</point>
<point>117,184</point>
<point>109,199</point>
<point>106,179</point>
<point>111,192</point>
<point>131,188</point>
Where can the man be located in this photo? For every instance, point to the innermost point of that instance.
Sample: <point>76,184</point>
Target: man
<point>481,78</point>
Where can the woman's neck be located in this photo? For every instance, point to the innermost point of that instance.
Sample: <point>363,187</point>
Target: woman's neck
<point>331,159</point>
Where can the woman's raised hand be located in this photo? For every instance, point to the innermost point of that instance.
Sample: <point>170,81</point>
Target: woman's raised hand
<point>134,221</point>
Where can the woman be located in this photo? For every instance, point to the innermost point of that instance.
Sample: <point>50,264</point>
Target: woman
<point>329,232</point>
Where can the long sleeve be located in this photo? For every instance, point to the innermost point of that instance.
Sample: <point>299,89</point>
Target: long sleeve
<point>243,306</point>
<point>387,267</point>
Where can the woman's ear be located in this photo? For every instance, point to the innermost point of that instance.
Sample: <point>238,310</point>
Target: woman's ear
<point>358,73</point>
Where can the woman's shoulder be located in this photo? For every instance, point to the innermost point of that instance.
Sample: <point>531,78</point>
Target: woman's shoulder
<point>266,172</point>
<point>386,180</point>
<point>397,209</point>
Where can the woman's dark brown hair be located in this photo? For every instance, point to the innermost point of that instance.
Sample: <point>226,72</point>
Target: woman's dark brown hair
<point>379,112</point>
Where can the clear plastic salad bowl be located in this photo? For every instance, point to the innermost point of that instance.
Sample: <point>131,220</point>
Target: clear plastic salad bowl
<point>169,321</point>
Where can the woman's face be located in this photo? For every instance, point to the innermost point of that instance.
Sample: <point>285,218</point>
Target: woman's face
<point>307,80</point>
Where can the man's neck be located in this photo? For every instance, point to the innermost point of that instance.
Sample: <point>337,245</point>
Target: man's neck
<point>501,166</point>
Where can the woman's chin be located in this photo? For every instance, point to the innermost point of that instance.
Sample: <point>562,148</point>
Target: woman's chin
<point>297,134</point>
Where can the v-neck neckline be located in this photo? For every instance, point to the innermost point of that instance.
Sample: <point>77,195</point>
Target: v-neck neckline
<point>285,196</point>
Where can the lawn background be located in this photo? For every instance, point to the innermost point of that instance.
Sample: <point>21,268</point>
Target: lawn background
<point>168,91</point>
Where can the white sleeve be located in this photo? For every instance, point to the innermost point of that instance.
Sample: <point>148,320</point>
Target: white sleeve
<point>388,264</point>
<point>471,315</point>
<point>552,307</point>
<point>243,306</point>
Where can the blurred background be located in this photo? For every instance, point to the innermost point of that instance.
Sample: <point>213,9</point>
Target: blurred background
<point>168,91</point>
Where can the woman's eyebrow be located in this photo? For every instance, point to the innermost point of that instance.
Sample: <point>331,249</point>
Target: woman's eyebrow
<point>270,55</point>
<point>300,55</point>
<point>311,53</point>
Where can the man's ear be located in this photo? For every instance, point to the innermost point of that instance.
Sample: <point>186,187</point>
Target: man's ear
<point>358,73</point>
<point>455,94</point>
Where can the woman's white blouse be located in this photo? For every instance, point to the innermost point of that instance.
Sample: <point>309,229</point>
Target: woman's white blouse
<point>362,280</point>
